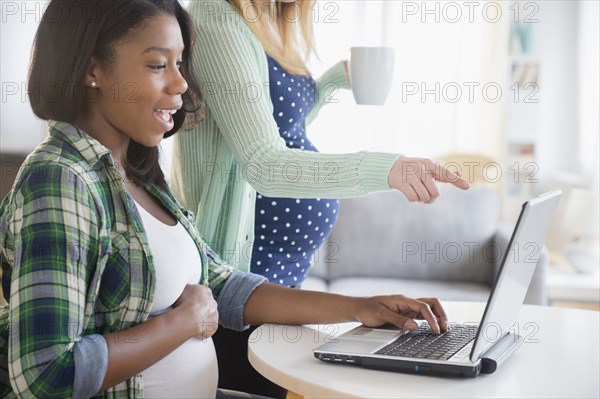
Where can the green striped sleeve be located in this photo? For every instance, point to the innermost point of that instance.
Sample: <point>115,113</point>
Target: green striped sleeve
<point>328,88</point>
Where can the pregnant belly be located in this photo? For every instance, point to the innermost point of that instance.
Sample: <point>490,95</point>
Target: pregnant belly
<point>188,372</point>
<point>287,233</point>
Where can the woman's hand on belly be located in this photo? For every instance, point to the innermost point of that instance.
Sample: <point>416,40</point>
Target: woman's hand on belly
<point>198,303</point>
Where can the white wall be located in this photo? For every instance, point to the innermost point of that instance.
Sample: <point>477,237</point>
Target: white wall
<point>20,129</point>
<point>430,52</point>
<point>555,43</point>
<point>589,93</point>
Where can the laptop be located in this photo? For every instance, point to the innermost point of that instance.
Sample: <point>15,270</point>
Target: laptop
<point>468,349</point>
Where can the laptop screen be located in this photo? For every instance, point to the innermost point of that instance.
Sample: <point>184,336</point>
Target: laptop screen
<point>519,262</point>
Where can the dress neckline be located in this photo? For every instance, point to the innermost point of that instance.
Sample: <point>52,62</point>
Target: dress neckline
<point>269,56</point>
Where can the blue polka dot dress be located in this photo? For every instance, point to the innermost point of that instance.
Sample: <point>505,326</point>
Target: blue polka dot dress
<point>288,231</point>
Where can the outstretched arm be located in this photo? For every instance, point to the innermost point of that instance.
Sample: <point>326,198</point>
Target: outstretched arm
<point>271,303</point>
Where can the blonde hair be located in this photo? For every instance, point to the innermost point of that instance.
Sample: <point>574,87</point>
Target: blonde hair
<point>294,21</point>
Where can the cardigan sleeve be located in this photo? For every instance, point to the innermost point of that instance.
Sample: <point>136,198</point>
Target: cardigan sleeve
<point>232,70</point>
<point>328,86</point>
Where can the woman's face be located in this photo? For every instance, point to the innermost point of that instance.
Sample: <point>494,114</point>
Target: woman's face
<point>142,88</point>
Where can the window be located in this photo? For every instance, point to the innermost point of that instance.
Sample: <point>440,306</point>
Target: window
<point>450,76</point>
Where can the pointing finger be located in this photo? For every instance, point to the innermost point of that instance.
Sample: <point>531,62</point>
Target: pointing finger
<point>447,176</point>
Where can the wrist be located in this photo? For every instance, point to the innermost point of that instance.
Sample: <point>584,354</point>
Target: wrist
<point>356,309</point>
<point>347,72</point>
<point>179,316</point>
<point>393,172</point>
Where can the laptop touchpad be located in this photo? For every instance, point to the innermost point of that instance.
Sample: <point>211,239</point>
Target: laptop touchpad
<point>371,334</point>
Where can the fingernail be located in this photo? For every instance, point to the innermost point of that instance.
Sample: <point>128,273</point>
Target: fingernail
<point>410,325</point>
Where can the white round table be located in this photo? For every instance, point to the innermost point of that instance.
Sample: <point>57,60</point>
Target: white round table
<point>559,359</point>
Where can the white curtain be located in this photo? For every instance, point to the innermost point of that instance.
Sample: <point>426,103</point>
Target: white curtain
<point>589,84</point>
<point>450,61</point>
<point>589,100</point>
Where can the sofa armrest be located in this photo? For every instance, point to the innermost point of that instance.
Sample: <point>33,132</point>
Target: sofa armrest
<point>537,294</point>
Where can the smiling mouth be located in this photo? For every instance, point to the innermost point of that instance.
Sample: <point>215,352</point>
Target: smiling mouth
<point>165,114</point>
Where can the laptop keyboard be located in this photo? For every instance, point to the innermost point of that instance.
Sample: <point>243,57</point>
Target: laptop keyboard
<point>424,344</point>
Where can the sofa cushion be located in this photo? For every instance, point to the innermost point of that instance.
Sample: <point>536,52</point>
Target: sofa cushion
<point>444,290</point>
<point>312,283</point>
<point>384,235</point>
<point>365,286</point>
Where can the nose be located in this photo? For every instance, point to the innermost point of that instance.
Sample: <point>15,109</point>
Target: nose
<point>177,85</point>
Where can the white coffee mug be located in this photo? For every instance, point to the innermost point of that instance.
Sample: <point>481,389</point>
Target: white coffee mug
<point>371,74</point>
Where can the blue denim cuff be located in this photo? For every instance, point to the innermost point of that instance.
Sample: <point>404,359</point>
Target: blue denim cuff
<point>91,362</point>
<point>232,298</point>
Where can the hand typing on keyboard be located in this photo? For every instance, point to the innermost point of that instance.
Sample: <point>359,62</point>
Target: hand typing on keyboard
<point>402,312</point>
<point>426,345</point>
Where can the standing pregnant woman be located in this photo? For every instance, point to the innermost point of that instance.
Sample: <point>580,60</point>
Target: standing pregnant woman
<point>249,171</point>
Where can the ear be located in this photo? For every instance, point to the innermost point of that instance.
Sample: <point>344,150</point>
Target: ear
<point>94,76</point>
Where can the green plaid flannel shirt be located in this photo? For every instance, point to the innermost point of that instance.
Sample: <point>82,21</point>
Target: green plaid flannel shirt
<point>75,261</point>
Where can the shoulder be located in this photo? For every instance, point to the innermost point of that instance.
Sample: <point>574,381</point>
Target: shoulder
<point>216,13</point>
<point>56,163</point>
<point>219,27</point>
<point>49,193</point>
<point>58,171</point>
<point>224,39</point>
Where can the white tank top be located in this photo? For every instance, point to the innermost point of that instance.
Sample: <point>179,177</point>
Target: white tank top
<point>191,370</point>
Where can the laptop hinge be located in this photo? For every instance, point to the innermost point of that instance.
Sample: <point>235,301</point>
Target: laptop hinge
<point>498,353</point>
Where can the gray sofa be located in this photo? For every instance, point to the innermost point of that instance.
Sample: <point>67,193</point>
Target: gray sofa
<point>451,249</point>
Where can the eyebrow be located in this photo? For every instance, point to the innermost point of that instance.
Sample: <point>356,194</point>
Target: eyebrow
<point>163,50</point>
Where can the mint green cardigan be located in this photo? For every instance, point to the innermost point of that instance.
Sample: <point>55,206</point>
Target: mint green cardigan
<point>237,151</point>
